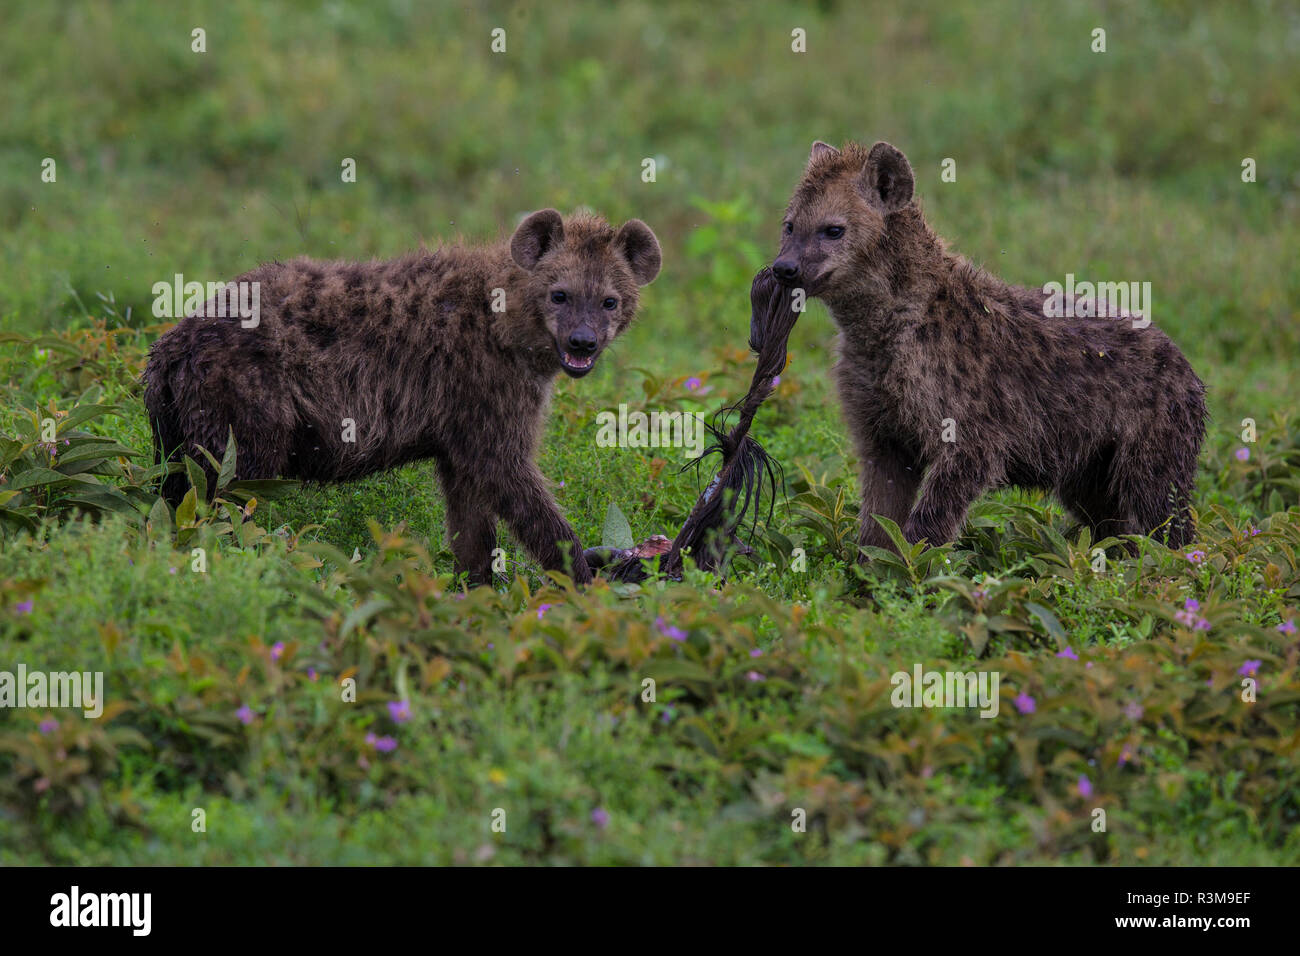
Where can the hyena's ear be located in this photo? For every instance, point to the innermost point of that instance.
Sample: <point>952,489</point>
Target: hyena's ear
<point>887,178</point>
<point>640,248</point>
<point>537,235</point>
<point>821,150</point>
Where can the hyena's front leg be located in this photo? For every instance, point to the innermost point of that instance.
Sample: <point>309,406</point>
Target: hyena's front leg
<point>526,505</point>
<point>951,484</point>
<point>888,481</point>
<point>471,523</point>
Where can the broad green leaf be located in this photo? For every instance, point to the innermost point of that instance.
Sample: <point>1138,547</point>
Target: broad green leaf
<point>198,478</point>
<point>83,413</point>
<point>185,511</point>
<point>617,533</point>
<point>35,477</point>
<point>227,472</point>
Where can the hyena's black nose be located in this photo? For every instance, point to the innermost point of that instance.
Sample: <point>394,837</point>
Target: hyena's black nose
<point>785,270</point>
<point>582,341</point>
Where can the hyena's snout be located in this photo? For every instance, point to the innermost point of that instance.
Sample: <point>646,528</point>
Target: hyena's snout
<point>786,269</point>
<point>578,348</point>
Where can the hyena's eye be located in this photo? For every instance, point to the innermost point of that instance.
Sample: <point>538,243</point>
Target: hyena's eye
<point>834,232</point>
<point>610,303</point>
<point>558,297</point>
<point>789,228</point>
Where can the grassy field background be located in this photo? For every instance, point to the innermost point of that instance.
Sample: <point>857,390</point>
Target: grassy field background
<point>773,691</point>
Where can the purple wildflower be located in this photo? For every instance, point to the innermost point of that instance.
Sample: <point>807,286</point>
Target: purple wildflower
<point>1025,704</point>
<point>1133,710</point>
<point>25,607</point>
<point>277,650</point>
<point>600,817</point>
<point>383,744</point>
<point>399,711</point>
<point>693,383</point>
<point>1249,669</point>
<point>756,652</point>
<point>1286,627</point>
<point>1085,786</point>
<point>668,630</point>
<point>1243,454</point>
<point>1196,557</point>
<point>542,609</point>
<point>754,677</point>
<point>245,715</point>
<point>1069,653</point>
<point>48,726</point>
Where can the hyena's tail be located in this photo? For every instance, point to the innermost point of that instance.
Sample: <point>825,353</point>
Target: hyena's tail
<point>168,437</point>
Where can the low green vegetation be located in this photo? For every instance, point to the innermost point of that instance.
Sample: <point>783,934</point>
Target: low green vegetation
<point>300,663</point>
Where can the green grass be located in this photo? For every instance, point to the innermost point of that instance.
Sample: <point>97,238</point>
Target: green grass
<point>1122,165</point>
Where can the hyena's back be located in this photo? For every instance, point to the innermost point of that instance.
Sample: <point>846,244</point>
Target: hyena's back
<point>334,343</point>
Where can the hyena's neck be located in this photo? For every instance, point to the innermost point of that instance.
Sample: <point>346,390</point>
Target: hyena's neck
<point>519,330</point>
<point>910,275</point>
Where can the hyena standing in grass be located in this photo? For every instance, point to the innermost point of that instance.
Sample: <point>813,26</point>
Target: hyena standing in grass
<point>448,354</point>
<point>954,382</point>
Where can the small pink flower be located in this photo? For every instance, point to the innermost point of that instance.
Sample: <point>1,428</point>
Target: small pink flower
<point>48,726</point>
<point>1025,704</point>
<point>754,677</point>
<point>277,650</point>
<point>1243,454</point>
<point>245,715</point>
<point>542,609</point>
<point>1133,710</point>
<point>756,652</point>
<point>1196,557</point>
<point>1085,786</point>
<point>383,744</point>
<point>1068,653</point>
<point>1249,669</point>
<point>25,607</point>
<point>600,817</point>
<point>1286,627</point>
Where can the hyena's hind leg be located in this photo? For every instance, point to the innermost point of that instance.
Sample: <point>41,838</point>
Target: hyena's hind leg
<point>1153,490</point>
<point>262,440</point>
<point>1087,494</point>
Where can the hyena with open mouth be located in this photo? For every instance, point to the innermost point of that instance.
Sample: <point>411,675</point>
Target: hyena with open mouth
<point>954,382</point>
<point>449,354</point>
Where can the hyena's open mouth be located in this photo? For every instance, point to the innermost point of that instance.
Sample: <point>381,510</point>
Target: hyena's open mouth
<point>577,365</point>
